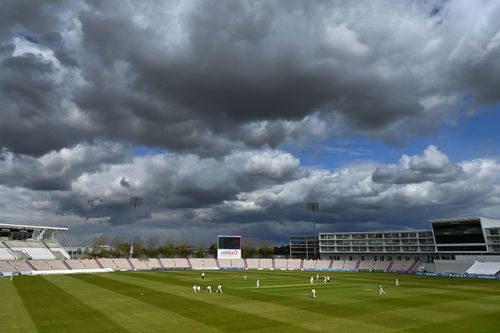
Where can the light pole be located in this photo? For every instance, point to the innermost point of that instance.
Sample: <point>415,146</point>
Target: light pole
<point>135,202</point>
<point>313,207</point>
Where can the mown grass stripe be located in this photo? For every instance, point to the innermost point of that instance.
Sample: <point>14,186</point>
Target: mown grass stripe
<point>289,314</point>
<point>363,310</point>
<point>132,314</point>
<point>54,310</point>
<point>13,316</point>
<point>227,320</point>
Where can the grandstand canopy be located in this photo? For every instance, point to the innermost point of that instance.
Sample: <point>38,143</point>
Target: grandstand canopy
<point>32,227</point>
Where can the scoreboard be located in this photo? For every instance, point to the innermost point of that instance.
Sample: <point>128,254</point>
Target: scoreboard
<point>229,247</point>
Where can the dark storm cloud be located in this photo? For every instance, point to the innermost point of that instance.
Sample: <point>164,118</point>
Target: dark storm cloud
<point>210,84</point>
<point>57,170</point>
<point>204,78</point>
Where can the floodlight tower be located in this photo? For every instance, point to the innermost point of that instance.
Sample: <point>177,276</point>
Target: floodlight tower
<point>313,207</point>
<point>135,202</point>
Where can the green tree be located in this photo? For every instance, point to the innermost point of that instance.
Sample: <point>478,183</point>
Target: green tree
<point>266,250</point>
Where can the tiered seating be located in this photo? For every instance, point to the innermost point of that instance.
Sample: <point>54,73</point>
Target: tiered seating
<point>225,263</point>
<point>401,266</point>
<point>309,264</point>
<point>115,264</point>
<point>323,264</point>
<point>57,249</point>
<point>253,263</point>
<point>48,265</point>
<point>266,263</point>
<point>82,264</point>
<point>338,264</point>
<point>237,263</point>
<point>181,263</point>
<point>32,249</point>
<point>197,263</point>
<point>15,266</point>
<point>210,263</point>
<point>140,264</point>
<point>381,266</point>
<point>294,263</point>
<point>168,263</point>
<point>75,264</point>
<point>350,264</point>
<point>5,254</point>
<point>281,263</point>
<point>154,263</point>
<point>366,265</point>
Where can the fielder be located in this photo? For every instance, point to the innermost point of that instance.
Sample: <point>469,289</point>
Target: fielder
<point>313,291</point>
<point>219,289</point>
<point>381,290</point>
<point>258,283</point>
<point>397,283</point>
<point>198,288</point>
<point>195,288</point>
<point>312,280</point>
<point>209,289</point>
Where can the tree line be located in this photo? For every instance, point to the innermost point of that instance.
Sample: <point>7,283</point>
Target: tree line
<point>153,248</point>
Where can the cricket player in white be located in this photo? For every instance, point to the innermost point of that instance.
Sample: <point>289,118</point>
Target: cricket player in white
<point>219,289</point>
<point>195,288</point>
<point>312,279</point>
<point>397,283</point>
<point>381,289</point>
<point>324,280</point>
<point>209,289</point>
<point>258,283</point>
<point>203,275</point>
<point>313,292</point>
<point>198,288</point>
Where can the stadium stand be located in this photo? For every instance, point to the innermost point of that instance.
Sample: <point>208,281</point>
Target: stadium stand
<point>294,263</point>
<point>168,263</point>
<point>381,266</point>
<point>266,263</point>
<point>350,264</point>
<point>281,263</point>
<point>210,263</point>
<point>399,266</point>
<point>338,264</point>
<point>140,264</point>
<point>225,263</point>
<point>253,263</point>
<point>181,263</point>
<point>119,264</point>
<point>57,250</point>
<point>309,264</point>
<point>5,254</point>
<point>238,263</point>
<point>484,268</point>
<point>30,249</point>
<point>48,265</point>
<point>323,264</point>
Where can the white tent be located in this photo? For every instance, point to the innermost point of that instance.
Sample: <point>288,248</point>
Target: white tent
<point>484,268</point>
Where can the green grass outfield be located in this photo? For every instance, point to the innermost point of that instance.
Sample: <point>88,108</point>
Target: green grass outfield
<point>164,302</point>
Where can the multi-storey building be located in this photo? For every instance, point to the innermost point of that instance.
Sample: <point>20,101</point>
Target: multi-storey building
<point>451,241</point>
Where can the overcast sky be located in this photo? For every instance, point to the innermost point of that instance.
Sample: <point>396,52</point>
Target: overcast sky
<point>227,117</point>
